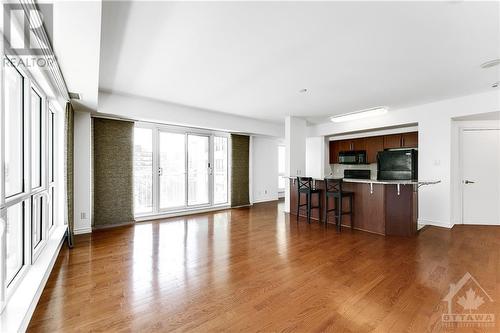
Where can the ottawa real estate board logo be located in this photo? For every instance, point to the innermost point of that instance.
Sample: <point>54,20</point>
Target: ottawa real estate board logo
<point>468,305</point>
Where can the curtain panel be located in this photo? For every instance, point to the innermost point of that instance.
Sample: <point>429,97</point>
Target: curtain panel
<point>240,148</point>
<point>69,138</point>
<point>113,172</point>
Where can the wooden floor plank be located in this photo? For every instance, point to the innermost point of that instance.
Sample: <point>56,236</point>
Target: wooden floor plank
<point>255,269</point>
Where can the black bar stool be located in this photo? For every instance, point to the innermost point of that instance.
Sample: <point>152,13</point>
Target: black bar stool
<point>304,185</point>
<point>333,188</point>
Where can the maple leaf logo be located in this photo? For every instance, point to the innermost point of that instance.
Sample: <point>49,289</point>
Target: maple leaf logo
<point>471,301</point>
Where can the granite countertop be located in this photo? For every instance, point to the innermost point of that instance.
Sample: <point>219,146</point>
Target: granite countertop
<point>382,182</point>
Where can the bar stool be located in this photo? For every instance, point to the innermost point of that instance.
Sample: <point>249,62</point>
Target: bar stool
<point>333,188</point>
<point>304,185</point>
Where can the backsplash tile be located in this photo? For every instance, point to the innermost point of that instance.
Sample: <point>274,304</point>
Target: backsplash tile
<point>337,170</point>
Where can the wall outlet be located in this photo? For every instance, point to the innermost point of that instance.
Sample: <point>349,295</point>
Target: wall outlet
<point>83,216</point>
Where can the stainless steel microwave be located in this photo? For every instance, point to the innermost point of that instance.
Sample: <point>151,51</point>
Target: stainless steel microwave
<point>352,157</point>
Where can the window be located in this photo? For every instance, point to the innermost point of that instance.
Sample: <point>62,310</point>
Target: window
<point>52,206</point>
<point>52,118</point>
<point>37,221</point>
<point>36,139</point>
<point>176,169</point>
<point>15,241</point>
<point>198,164</point>
<point>172,170</point>
<point>281,168</point>
<point>220,170</point>
<point>143,170</point>
<point>14,132</point>
<point>28,197</point>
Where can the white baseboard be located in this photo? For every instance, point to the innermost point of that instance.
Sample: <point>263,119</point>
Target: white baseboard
<point>442,224</point>
<point>265,200</point>
<point>180,213</point>
<point>86,230</point>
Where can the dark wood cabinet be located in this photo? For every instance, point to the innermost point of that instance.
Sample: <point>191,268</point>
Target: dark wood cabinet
<point>345,145</point>
<point>334,151</point>
<point>409,140</point>
<point>358,144</point>
<point>373,146</point>
<point>392,141</point>
<point>403,140</point>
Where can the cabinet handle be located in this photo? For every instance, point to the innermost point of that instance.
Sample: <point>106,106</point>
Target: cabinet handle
<point>402,141</point>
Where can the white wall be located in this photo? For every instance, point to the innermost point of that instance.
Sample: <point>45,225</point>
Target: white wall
<point>82,169</point>
<point>315,156</point>
<point>435,141</point>
<point>264,169</point>
<point>136,108</point>
<point>295,152</point>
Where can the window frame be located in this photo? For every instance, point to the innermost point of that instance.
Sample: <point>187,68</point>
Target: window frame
<point>29,194</point>
<point>227,171</point>
<point>24,135</point>
<point>43,138</point>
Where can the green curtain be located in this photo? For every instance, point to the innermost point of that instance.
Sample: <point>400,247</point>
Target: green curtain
<point>69,130</point>
<point>240,148</point>
<point>113,172</point>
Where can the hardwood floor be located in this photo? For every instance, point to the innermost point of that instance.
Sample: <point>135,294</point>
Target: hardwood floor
<point>254,270</point>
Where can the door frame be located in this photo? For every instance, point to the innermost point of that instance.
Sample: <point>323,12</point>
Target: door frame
<point>210,175</point>
<point>462,129</point>
<point>175,211</point>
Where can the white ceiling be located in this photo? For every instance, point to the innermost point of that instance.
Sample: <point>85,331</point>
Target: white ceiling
<point>252,58</point>
<point>76,40</point>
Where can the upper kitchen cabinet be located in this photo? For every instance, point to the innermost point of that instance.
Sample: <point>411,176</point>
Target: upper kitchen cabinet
<point>359,144</point>
<point>352,144</point>
<point>403,140</point>
<point>373,146</point>
<point>409,140</point>
<point>334,151</point>
<point>345,145</point>
<point>392,141</point>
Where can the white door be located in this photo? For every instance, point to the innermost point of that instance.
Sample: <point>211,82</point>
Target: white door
<point>481,176</point>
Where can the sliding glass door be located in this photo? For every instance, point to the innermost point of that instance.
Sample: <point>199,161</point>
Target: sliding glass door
<point>220,172</point>
<point>188,169</point>
<point>198,170</point>
<point>172,170</point>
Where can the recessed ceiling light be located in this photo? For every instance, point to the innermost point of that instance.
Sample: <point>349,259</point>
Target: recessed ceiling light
<point>490,63</point>
<point>360,114</point>
<point>303,90</point>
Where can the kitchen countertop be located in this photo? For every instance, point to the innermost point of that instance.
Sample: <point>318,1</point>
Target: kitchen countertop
<point>382,182</point>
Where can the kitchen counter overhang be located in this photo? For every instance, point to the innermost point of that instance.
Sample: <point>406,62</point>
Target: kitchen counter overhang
<point>385,207</point>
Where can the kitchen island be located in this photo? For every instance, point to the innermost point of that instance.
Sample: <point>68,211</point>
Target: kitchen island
<point>380,207</point>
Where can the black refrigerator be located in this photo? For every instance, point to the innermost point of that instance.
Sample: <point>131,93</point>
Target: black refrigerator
<point>400,164</point>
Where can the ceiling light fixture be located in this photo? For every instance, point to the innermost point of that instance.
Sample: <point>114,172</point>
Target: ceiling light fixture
<point>491,63</point>
<point>496,84</point>
<point>304,90</point>
<point>360,114</point>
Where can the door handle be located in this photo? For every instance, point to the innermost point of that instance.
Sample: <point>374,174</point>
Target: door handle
<point>468,182</point>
